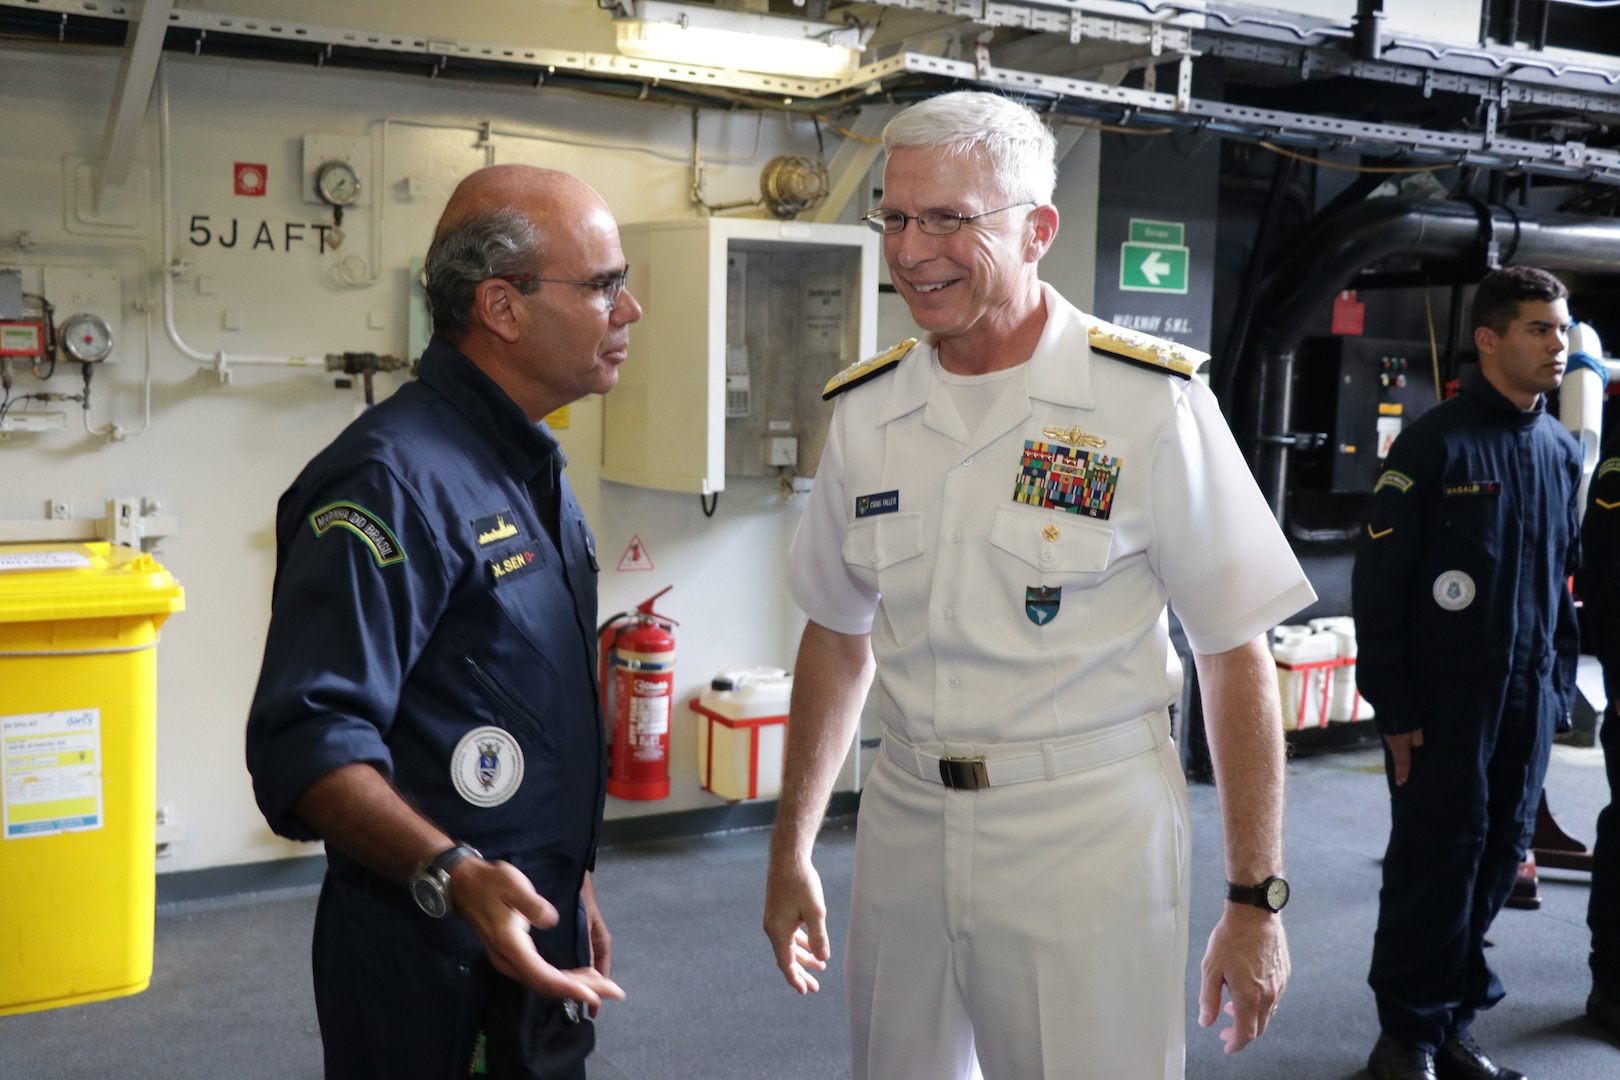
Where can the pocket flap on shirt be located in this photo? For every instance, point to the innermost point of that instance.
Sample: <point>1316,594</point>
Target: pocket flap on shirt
<point>1079,547</point>
<point>880,542</point>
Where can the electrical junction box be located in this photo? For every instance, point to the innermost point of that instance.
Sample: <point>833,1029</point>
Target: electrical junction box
<point>74,291</point>
<point>11,294</point>
<point>776,307</point>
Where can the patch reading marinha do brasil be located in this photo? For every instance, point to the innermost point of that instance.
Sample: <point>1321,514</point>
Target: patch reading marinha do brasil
<point>1067,478</point>
<point>363,523</point>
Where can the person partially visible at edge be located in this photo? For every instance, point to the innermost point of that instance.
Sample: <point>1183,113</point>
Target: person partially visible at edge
<point>1000,515</point>
<point>428,702</point>
<point>1467,644</point>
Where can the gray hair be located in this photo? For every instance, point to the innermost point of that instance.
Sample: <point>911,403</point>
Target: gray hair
<point>1021,149</point>
<point>491,243</point>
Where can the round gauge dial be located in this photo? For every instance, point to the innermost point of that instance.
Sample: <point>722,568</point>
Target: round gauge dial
<point>86,338</point>
<point>338,183</point>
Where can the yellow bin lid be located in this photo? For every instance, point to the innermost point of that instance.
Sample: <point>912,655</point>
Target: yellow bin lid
<point>57,581</point>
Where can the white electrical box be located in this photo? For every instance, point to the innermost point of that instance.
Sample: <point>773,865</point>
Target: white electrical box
<point>743,323</point>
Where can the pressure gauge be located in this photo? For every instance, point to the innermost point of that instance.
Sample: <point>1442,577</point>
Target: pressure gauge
<point>338,183</point>
<point>86,338</point>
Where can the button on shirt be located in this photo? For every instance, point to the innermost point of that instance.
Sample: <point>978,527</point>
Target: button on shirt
<point>1002,610</point>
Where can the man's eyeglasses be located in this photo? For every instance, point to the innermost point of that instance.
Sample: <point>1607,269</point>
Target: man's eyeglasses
<point>932,222</point>
<point>609,288</point>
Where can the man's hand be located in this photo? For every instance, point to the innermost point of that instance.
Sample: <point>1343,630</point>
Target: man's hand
<point>796,923</point>
<point>1400,748</point>
<point>500,905</point>
<point>1248,954</point>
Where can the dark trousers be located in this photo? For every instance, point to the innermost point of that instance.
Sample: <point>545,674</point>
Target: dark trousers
<point>1459,827</point>
<point>401,996</point>
<point>1603,912</point>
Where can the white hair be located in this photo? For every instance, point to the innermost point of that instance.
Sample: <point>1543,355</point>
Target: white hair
<point>1021,149</point>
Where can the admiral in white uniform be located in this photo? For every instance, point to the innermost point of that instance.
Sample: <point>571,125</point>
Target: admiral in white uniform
<point>1000,517</point>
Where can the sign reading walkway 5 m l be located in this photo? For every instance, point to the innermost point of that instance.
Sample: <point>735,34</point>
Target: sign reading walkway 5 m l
<point>1153,259</point>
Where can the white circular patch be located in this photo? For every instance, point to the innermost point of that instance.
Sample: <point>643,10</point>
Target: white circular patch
<point>487,766</point>
<point>1454,590</point>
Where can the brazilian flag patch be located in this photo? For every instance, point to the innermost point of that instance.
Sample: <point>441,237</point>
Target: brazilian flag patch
<point>385,549</point>
<point>1392,479</point>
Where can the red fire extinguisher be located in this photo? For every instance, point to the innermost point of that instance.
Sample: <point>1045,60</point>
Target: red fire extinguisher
<point>637,696</point>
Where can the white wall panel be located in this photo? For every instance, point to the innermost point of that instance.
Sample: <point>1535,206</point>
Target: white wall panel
<point>218,455</point>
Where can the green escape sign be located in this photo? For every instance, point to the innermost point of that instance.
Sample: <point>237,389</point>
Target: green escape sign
<point>1154,258</point>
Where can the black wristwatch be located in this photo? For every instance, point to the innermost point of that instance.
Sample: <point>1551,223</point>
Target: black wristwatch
<point>1270,895</point>
<point>430,884</point>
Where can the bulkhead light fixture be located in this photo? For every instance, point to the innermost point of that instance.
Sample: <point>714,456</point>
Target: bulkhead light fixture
<point>741,41</point>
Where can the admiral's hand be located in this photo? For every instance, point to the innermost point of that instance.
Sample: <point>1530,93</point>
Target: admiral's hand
<point>1247,954</point>
<point>796,922</point>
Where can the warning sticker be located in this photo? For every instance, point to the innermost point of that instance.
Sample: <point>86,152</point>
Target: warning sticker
<point>50,765</point>
<point>635,556</point>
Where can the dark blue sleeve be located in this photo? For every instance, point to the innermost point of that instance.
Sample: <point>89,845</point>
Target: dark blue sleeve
<point>1598,581</point>
<point>360,585</point>
<point>1387,554</point>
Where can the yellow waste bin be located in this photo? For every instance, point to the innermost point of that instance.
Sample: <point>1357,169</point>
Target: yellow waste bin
<point>78,777</point>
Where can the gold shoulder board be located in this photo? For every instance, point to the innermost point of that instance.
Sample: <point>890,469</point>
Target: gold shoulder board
<point>1135,347</point>
<point>871,368</point>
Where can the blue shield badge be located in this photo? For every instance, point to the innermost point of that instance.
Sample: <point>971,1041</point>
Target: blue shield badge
<point>489,763</point>
<point>1041,603</point>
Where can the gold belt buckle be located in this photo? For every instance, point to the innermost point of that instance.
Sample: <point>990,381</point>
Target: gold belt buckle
<point>963,773</point>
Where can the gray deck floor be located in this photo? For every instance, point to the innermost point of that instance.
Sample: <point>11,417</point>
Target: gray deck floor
<point>230,994</point>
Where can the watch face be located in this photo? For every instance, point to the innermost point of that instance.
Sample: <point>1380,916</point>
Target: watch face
<point>1276,894</point>
<point>429,896</point>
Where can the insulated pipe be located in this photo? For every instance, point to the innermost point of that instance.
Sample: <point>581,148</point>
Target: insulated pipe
<point>1580,400</point>
<point>1329,258</point>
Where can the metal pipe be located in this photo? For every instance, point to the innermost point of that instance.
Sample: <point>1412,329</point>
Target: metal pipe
<point>1331,255</point>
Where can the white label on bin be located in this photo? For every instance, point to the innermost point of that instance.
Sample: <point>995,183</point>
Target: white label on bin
<point>52,773</point>
<point>44,560</point>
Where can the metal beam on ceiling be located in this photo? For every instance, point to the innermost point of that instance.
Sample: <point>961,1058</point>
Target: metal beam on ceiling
<point>915,71</point>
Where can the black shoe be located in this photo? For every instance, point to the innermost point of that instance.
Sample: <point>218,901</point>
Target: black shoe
<point>1392,1060</point>
<point>1604,1011</point>
<point>1462,1059</point>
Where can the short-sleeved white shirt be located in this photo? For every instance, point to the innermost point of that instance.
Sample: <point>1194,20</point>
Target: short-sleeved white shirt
<point>1014,581</point>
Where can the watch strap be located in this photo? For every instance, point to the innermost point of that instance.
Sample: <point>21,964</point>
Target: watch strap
<point>447,859</point>
<point>1257,895</point>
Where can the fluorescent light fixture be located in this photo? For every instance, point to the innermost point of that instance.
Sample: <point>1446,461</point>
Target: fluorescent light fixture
<point>719,38</point>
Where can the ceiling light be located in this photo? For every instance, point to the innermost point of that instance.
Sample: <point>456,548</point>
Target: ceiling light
<point>715,37</point>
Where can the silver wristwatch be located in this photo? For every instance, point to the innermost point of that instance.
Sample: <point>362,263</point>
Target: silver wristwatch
<point>430,884</point>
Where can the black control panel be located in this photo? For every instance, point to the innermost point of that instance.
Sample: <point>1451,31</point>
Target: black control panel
<point>1361,392</point>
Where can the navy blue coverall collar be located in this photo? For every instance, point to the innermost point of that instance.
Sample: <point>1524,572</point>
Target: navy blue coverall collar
<point>1500,409</point>
<point>526,445</point>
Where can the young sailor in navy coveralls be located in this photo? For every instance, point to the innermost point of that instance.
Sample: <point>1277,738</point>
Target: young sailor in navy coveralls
<point>1467,646</point>
<point>427,704</point>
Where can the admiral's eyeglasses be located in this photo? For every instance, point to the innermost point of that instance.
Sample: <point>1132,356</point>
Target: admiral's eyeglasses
<point>931,222</point>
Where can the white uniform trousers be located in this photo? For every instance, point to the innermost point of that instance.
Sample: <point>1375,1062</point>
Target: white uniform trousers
<point>1036,930</point>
